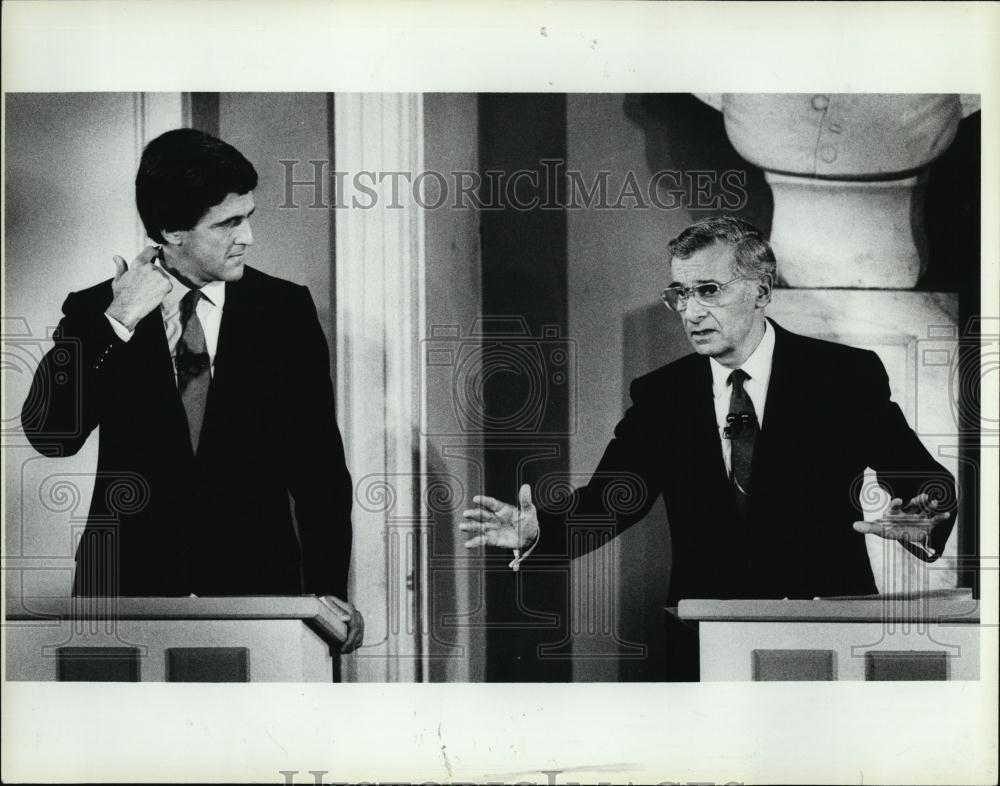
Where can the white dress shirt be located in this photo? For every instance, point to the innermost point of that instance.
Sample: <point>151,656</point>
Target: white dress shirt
<point>758,367</point>
<point>208,311</point>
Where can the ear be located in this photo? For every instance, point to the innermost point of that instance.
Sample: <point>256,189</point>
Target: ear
<point>764,287</point>
<point>173,237</point>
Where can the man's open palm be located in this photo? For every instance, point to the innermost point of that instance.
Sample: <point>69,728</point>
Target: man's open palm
<point>496,523</point>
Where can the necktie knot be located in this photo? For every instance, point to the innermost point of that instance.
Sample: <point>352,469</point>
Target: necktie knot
<point>737,378</point>
<point>188,305</point>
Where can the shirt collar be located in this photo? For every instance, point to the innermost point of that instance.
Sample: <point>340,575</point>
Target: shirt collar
<point>757,366</point>
<point>214,292</point>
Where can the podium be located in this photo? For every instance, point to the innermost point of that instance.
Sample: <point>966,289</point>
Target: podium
<point>872,638</point>
<point>228,639</point>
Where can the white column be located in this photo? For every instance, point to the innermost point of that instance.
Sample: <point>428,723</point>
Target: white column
<point>843,233</point>
<point>380,325</point>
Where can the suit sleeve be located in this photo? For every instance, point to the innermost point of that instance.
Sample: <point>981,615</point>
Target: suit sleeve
<point>319,481</point>
<point>621,490</point>
<point>902,464</point>
<point>64,402</point>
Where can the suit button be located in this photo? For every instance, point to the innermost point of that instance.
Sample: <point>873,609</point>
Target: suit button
<point>820,102</point>
<point>828,153</point>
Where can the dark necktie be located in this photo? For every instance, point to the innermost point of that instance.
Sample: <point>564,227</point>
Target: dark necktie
<point>193,367</point>
<point>741,431</point>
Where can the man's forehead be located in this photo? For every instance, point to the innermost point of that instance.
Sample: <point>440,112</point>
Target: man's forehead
<point>713,263</point>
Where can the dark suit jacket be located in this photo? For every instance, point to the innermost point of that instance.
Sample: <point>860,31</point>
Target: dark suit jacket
<point>164,521</point>
<point>827,417</point>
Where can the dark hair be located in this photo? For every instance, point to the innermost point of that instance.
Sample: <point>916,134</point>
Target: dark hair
<point>182,174</point>
<point>751,251</point>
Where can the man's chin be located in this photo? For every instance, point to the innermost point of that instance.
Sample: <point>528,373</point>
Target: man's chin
<point>705,344</point>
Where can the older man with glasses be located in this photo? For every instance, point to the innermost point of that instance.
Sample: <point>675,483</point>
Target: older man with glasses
<point>757,443</point>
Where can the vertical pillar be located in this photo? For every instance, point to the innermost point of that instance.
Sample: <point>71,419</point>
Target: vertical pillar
<point>380,325</point>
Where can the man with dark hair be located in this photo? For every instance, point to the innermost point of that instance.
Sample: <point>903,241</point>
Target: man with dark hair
<point>183,173</point>
<point>757,443</point>
<point>210,383</point>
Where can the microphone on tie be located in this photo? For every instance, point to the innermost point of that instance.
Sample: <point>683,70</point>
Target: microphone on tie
<point>741,429</point>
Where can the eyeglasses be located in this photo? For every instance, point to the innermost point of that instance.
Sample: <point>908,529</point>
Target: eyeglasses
<point>709,294</point>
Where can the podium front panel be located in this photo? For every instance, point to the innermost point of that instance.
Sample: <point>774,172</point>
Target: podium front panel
<point>277,650</point>
<point>730,650</point>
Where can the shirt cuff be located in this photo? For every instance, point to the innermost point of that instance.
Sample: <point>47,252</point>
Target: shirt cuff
<point>519,557</point>
<point>120,330</point>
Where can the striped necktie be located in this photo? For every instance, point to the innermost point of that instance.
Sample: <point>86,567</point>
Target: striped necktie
<point>741,431</point>
<point>193,366</point>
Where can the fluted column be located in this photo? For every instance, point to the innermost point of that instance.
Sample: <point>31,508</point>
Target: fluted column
<point>380,324</point>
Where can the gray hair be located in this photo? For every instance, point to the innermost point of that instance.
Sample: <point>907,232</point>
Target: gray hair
<point>751,251</point>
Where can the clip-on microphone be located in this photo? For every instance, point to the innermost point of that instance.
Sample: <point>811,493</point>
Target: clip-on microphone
<point>740,425</point>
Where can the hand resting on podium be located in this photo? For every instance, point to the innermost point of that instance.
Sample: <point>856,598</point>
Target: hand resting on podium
<point>349,616</point>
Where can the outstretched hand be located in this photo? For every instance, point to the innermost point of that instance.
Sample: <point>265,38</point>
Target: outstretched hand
<point>912,523</point>
<point>496,523</point>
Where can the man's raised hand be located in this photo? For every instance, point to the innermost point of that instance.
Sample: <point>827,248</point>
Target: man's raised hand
<point>496,523</point>
<point>138,289</point>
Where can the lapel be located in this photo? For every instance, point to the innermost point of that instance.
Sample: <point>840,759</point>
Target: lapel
<point>704,437</point>
<point>782,413</point>
<point>150,343</point>
<point>232,358</point>
<point>151,358</point>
